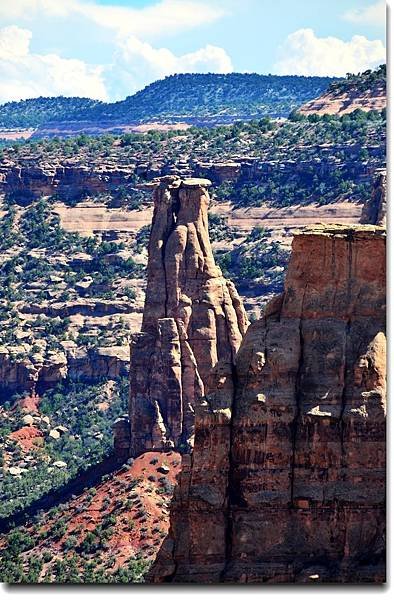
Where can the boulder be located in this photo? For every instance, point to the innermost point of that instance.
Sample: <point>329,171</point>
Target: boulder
<point>28,420</point>
<point>60,464</point>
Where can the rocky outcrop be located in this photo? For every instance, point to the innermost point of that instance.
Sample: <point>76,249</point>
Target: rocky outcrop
<point>72,179</point>
<point>17,371</point>
<point>33,179</point>
<point>22,370</point>
<point>121,433</point>
<point>346,101</point>
<point>94,364</point>
<point>219,172</point>
<point>87,307</point>
<point>193,320</point>
<point>286,482</point>
<point>375,209</point>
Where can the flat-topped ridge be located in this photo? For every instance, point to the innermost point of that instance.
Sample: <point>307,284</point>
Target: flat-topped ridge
<point>174,181</point>
<point>340,230</point>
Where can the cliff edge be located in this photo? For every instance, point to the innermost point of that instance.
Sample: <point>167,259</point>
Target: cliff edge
<point>286,482</point>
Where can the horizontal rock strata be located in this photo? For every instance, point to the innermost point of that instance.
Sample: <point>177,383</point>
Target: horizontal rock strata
<point>23,371</point>
<point>286,482</point>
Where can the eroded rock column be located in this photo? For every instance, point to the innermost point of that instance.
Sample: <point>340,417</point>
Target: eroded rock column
<point>375,208</point>
<point>193,320</point>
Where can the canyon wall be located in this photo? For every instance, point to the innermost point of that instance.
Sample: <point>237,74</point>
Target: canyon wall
<point>286,482</point>
<point>193,320</point>
<point>33,179</point>
<point>22,370</point>
<point>74,178</point>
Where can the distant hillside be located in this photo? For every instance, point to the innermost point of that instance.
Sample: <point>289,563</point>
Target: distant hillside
<point>203,95</point>
<point>36,111</point>
<point>239,95</point>
<point>365,91</point>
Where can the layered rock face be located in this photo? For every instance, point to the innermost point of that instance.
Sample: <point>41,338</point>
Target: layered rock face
<point>29,181</point>
<point>375,209</point>
<point>286,482</point>
<point>193,320</point>
<point>347,101</point>
<point>38,372</point>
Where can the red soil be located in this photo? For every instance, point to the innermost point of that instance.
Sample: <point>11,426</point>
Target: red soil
<point>27,437</point>
<point>137,499</point>
<point>28,404</point>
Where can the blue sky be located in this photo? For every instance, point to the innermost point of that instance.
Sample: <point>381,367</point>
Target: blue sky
<point>252,30</point>
<point>111,48</point>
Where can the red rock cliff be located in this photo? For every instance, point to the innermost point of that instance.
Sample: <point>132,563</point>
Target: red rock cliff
<point>193,319</point>
<point>286,482</point>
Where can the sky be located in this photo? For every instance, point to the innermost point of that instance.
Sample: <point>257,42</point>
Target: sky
<point>109,49</point>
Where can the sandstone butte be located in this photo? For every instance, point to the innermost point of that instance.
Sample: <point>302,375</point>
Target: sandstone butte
<point>193,321</point>
<point>286,482</point>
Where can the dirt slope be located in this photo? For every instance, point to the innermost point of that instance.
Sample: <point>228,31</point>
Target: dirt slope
<point>109,533</point>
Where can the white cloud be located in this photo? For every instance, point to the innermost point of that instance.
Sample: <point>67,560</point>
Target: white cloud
<point>375,14</point>
<point>14,42</point>
<point>303,53</point>
<point>138,62</point>
<point>131,58</point>
<point>164,18</point>
<point>207,59</point>
<point>27,75</point>
<point>28,8</point>
<point>24,74</point>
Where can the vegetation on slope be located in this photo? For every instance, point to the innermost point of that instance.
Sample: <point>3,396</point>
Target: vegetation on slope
<point>364,91</point>
<point>36,267</point>
<point>84,413</point>
<point>331,163</point>
<point>369,80</point>
<point>186,95</point>
<point>110,533</point>
<point>36,111</point>
<point>255,265</point>
<point>204,95</point>
<point>304,160</point>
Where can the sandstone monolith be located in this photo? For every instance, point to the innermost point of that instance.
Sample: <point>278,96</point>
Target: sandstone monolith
<point>286,482</point>
<point>193,320</point>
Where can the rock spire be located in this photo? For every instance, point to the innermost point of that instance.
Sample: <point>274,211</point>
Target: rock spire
<point>193,320</point>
